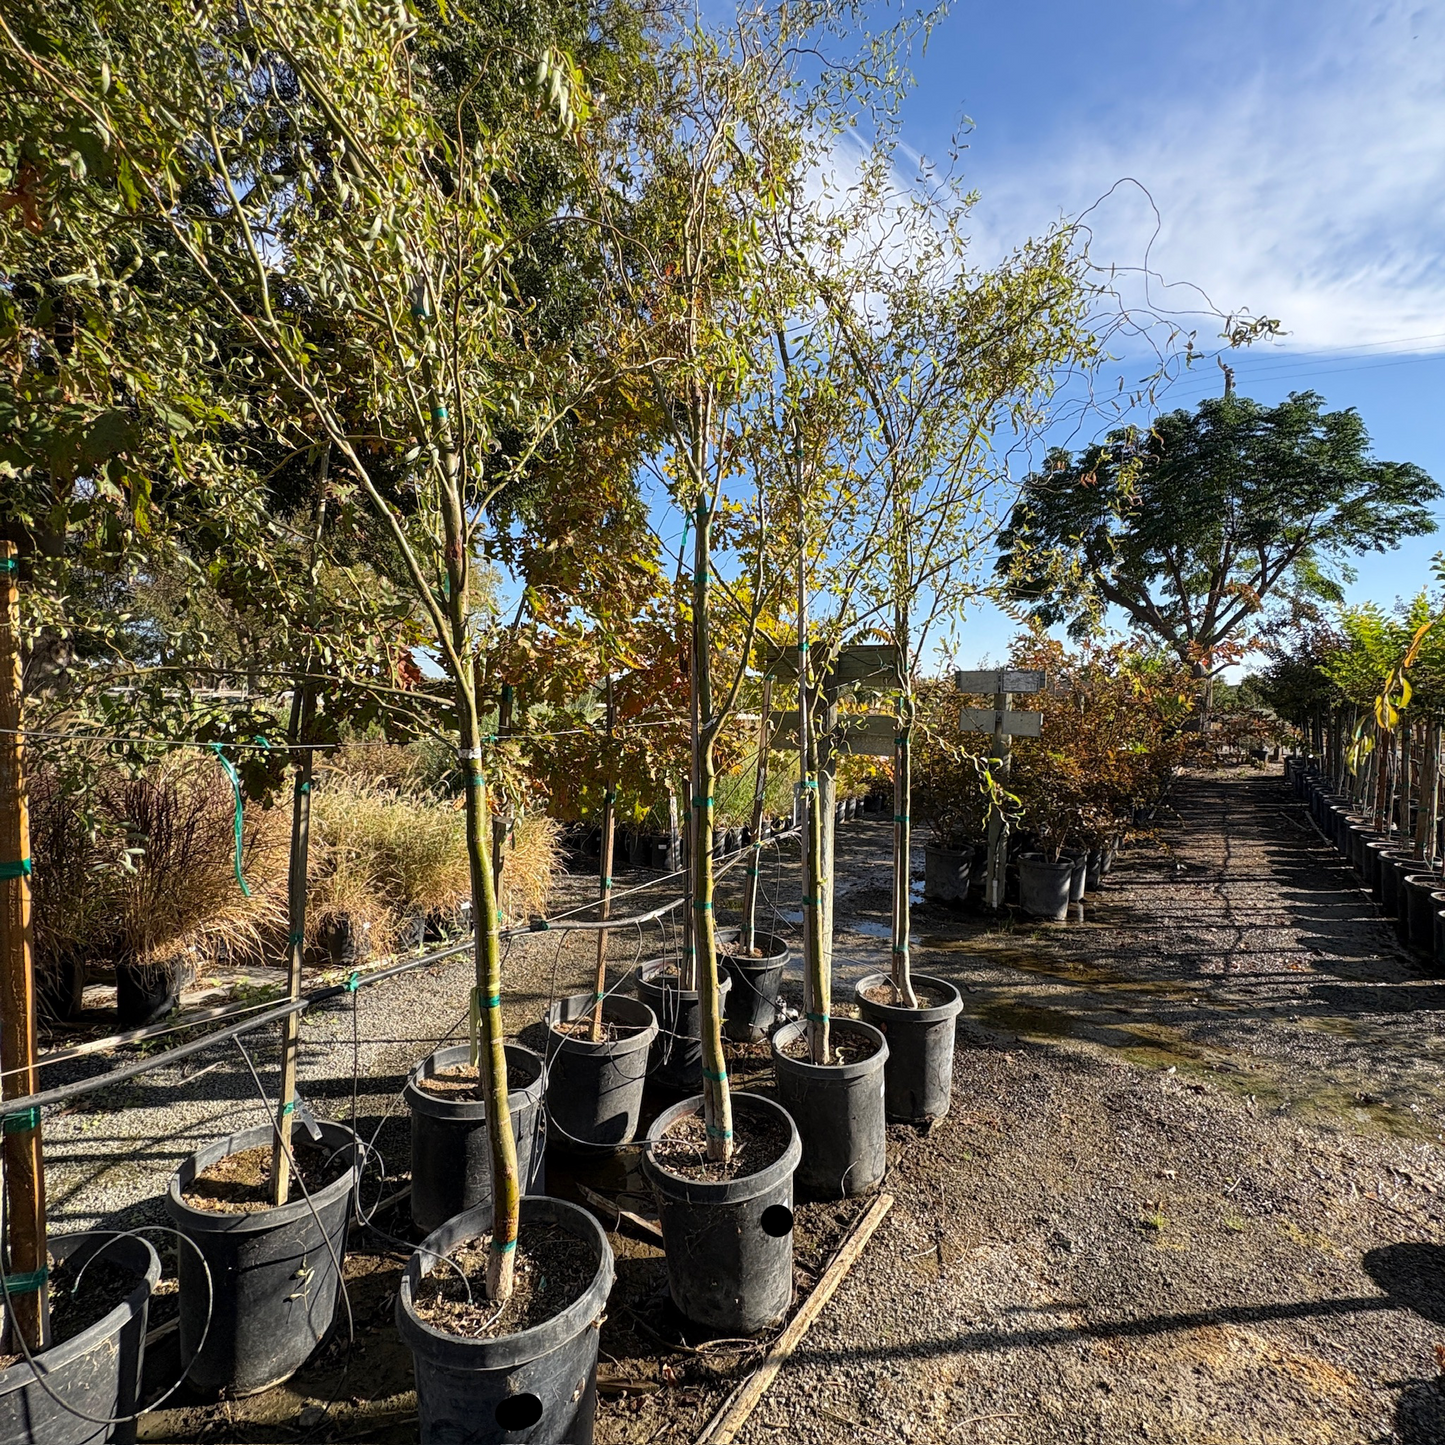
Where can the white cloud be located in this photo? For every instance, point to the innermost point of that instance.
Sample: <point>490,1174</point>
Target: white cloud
<point>1310,188</point>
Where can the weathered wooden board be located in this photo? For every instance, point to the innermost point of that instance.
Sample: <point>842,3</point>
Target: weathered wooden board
<point>1015,724</point>
<point>1003,680</point>
<point>872,663</point>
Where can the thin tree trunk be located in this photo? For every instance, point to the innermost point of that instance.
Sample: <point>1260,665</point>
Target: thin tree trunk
<point>902,851</point>
<point>499,820</point>
<point>604,905</point>
<point>760,787</point>
<point>303,702</point>
<point>717,1102</point>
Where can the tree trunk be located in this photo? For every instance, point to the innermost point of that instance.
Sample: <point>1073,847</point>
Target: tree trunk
<point>717,1103</point>
<point>760,787</point>
<point>604,882</point>
<point>902,855</point>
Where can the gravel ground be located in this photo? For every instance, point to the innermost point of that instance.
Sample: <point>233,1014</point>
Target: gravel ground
<point>1189,1190</point>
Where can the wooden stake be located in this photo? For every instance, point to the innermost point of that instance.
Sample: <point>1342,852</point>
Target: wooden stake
<point>724,1426</point>
<point>499,818</point>
<point>24,1164</point>
<point>604,906</point>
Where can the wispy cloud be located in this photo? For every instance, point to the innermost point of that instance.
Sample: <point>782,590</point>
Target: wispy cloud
<point>1306,183</point>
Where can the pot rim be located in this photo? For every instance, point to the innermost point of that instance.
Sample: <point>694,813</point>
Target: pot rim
<point>722,1191</point>
<point>213,1221</point>
<point>561,1043</point>
<point>474,1109</point>
<point>21,1374</point>
<point>648,977</point>
<point>510,1351</point>
<point>1037,860</point>
<point>896,1013</point>
<point>858,1069</point>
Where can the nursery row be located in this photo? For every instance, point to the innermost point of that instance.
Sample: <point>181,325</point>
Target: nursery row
<point>1392,862</point>
<point>260,1284</point>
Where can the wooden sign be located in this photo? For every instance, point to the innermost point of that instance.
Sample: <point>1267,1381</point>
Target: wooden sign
<point>1015,724</point>
<point>874,664</point>
<point>870,736</point>
<point>1004,680</point>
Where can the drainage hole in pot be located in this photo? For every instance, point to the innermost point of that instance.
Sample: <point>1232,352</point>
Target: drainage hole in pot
<point>777,1221</point>
<point>518,1412</point>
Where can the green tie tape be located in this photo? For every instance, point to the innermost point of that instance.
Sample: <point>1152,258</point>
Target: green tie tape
<point>22,1122</point>
<point>714,1133</point>
<point>900,818</point>
<point>438,413</point>
<point>21,869</point>
<point>230,768</point>
<point>289,1107</point>
<point>506,1248</point>
<point>353,983</point>
<point>27,1283</point>
<point>721,1078</point>
<point>9,564</point>
<point>702,907</point>
<point>819,1018</point>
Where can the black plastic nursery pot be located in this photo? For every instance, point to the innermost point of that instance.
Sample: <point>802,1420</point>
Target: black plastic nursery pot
<point>1094,870</point>
<point>1376,850</point>
<point>145,993</point>
<point>274,1274</point>
<point>1436,951</point>
<point>1078,877</point>
<point>946,874</point>
<point>1405,866</point>
<point>918,1074</point>
<point>594,1090</point>
<point>95,1373</point>
<point>729,1243</point>
<point>451,1159</point>
<point>675,1062</point>
<point>539,1384</point>
<point>751,1007</point>
<point>1390,861</point>
<point>1421,888</point>
<point>1044,887</point>
<point>838,1109</point>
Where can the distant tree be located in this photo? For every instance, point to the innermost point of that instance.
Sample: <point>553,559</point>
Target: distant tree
<point>1193,528</point>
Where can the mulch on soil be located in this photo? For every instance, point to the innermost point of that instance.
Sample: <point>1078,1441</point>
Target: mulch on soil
<point>553,1269</point>
<point>758,1140</point>
<point>459,1083</point>
<point>241,1183</point>
<point>79,1298</point>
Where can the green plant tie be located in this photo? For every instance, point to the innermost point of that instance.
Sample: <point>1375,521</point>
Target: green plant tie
<point>702,907</point>
<point>606,883</point>
<point>297,940</point>
<point>902,951</point>
<point>353,983</point>
<point>438,413</point>
<point>505,1248</point>
<point>23,1122</point>
<point>494,1002</point>
<point>810,783</point>
<point>539,925</point>
<point>22,869</point>
<point>900,817</point>
<point>751,872</point>
<point>803,646</point>
<point>230,768</point>
<point>811,902</point>
<point>901,740</point>
<point>302,787</point>
<point>721,1078</point>
<point>27,1283</point>
<point>701,802</point>
<point>819,1018</point>
<point>289,1107</point>
<point>715,1133</point>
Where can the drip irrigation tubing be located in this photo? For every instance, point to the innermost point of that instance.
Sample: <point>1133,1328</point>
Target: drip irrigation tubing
<point>64,1093</point>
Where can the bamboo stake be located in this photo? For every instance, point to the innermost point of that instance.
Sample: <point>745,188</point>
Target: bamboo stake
<point>760,786</point>
<point>604,906</point>
<point>24,1161</point>
<point>303,702</point>
<point>722,1429</point>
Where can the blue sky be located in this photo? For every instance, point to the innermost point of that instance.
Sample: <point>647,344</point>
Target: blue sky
<point>1295,153</point>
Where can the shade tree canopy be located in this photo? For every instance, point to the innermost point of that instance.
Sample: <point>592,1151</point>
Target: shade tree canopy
<point>1198,526</point>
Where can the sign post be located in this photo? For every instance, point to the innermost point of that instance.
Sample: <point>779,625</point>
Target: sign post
<point>1005,724</point>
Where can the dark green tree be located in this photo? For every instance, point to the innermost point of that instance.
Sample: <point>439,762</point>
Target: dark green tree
<point>1194,528</point>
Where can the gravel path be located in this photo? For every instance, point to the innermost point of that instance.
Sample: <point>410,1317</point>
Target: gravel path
<point>1190,1189</point>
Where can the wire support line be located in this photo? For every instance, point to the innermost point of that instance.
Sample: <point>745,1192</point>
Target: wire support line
<point>61,1094</point>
